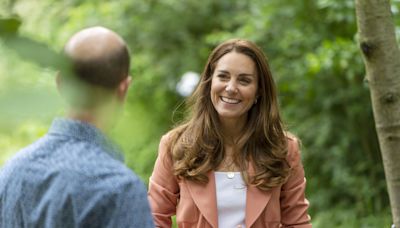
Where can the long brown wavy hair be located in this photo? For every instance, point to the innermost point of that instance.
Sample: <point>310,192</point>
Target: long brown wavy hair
<point>197,144</point>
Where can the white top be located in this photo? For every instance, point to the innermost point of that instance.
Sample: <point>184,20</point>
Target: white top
<point>231,199</point>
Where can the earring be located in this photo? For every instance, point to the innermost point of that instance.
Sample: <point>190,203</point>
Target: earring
<point>255,101</point>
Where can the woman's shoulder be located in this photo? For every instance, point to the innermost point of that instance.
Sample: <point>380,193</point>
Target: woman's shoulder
<point>172,135</point>
<point>290,136</point>
<point>165,140</point>
<point>294,153</point>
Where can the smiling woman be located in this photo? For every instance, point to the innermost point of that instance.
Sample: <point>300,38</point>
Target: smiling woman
<point>234,87</point>
<point>231,163</point>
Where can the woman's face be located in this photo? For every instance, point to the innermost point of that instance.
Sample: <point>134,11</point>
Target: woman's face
<point>234,86</point>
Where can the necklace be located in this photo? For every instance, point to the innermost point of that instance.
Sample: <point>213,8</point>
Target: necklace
<point>230,175</point>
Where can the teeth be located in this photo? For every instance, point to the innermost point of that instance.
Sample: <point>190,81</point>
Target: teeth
<point>230,100</point>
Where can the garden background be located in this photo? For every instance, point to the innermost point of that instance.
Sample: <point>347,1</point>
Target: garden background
<point>313,51</point>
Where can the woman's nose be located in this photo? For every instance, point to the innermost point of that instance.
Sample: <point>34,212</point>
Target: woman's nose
<point>231,88</point>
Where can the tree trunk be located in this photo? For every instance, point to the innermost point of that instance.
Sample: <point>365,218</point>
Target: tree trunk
<point>381,55</point>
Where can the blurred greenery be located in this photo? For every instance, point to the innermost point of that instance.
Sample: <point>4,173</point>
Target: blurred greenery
<point>312,48</point>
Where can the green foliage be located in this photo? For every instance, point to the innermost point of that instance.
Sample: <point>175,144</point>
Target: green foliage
<point>314,58</point>
<point>344,218</point>
<point>35,52</point>
<point>27,92</point>
<point>9,26</point>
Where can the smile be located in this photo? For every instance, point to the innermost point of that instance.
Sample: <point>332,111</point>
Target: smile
<point>230,100</point>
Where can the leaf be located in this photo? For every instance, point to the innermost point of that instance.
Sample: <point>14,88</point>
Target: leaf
<point>36,52</point>
<point>9,26</point>
<point>29,49</point>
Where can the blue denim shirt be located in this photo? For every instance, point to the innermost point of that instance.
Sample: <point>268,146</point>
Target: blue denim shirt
<point>71,177</point>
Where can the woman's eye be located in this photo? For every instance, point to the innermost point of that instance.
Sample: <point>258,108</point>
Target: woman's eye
<point>222,76</point>
<point>245,81</point>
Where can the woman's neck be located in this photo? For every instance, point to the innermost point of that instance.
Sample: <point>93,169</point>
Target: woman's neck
<point>232,130</point>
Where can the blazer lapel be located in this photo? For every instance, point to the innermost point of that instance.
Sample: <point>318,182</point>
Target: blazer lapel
<point>256,201</point>
<point>204,196</point>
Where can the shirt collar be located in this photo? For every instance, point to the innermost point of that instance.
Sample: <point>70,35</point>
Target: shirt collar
<point>86,132</point>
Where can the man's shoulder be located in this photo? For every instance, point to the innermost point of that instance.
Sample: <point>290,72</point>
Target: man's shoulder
<point>76,163</point>
<point>31,182</point>
<point>95,174</point>
<point>114,182</point>
<point>21,159</point>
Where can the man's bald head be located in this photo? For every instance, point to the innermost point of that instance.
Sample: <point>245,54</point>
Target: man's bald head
<point>99,57</point>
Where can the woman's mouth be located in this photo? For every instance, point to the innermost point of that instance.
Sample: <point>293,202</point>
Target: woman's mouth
<point>230,100</point>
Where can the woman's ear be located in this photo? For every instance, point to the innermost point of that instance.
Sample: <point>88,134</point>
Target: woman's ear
<point>256,99</point>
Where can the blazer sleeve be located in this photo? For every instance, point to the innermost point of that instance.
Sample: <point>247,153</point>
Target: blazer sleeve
<point>163,187</point>
<point>294,205</point>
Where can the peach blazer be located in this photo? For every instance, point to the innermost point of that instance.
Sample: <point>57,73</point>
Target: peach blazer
<point>195,204</point>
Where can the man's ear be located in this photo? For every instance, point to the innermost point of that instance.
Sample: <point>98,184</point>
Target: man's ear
<point>123,88</point>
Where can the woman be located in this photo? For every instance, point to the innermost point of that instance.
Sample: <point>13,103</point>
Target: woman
<point>230,164</point>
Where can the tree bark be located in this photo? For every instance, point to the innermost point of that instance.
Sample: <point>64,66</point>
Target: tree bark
<point>377,39</point>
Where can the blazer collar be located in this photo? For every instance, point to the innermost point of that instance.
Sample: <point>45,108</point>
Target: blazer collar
<point>256,202</point>
<point>204,196</point>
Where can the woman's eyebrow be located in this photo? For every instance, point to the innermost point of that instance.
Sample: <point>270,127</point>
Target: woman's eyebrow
<point>241,74</point>
<point>223,71</point>
<point>246,75</point>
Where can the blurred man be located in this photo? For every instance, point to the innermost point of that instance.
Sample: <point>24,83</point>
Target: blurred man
<point>74,176</point>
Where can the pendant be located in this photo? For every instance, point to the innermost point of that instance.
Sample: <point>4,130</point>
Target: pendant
<point>230,175</point>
